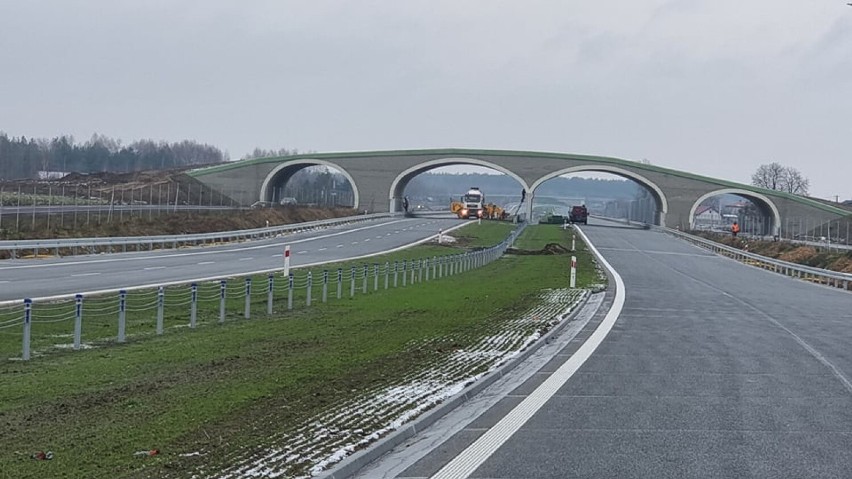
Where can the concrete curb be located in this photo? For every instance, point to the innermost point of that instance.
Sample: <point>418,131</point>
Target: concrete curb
<point>360,459</point>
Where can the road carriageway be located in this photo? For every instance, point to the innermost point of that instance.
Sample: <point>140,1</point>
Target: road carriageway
<point>712,368</point>
<point>82,274</point>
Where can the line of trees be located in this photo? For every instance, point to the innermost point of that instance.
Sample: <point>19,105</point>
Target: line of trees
<point>23,158</point>
<point>774,176</point>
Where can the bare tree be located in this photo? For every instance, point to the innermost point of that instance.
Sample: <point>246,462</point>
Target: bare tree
<point>780,178</point>
<point>769,176</point>
<point>795,182</point>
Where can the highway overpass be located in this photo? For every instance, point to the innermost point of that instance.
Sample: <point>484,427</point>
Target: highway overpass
<point>379,178</point>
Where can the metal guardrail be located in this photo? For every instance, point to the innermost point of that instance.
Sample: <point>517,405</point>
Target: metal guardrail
<point>808,273</point>
<point>73,246</point>
<point>133,312</point>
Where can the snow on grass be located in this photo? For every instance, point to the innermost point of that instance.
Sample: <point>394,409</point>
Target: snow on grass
<point>355,422</point>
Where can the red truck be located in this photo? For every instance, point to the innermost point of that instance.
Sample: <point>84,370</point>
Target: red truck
<point>579,214</point>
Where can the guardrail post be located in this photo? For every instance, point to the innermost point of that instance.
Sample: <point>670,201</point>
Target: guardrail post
<point>375,276</point>
<point>28,318</point>
<point>310,287</point>
<point>352,283</point>
<point>404,274</point>
<point>290,291</point>
<point>365,273</point>
<point>395,274</point>
<point>387,273</point>
<point>426,267</point>
<point>434,267</point>
<point>339,283</point>
<point>122,312</point>
<point>270,288</point>
<point>325,286</point>
<point>193,315</point>
<point>420,270</point>
<point>223,287</point>
<point>247,312</point>
<point>78,320</point>
<point>161,296</point>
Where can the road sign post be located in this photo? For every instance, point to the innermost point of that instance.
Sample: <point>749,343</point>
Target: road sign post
<point>287,261</point>
<point>573,283</point>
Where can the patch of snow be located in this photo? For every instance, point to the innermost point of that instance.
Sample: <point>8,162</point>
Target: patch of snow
<point>355,422</point>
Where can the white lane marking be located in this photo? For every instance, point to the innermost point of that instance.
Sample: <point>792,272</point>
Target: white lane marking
<point>368,239</point>
<point>354,242</point>
<point>322,249</point>
<point>340,246</point>
<point>245,259</point>
<point>207,262</point>
<point>4,282</point>
<point>277,255</point>
<point>302,252</point>
<point>379,237</point>
<point>152,268</point>
<point>477,453</point>
<point>80,275</point>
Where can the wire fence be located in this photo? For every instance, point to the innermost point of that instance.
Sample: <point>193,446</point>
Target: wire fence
<point>32,327</point>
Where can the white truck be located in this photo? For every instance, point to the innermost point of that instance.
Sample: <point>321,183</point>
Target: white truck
<point>473,203</point>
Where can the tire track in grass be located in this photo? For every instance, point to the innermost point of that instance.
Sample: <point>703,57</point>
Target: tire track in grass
<point>354,423</point>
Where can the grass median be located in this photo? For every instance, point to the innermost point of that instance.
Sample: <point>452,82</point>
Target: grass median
<point>222,388</point>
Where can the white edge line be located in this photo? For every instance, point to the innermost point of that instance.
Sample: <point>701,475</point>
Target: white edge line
<point>477,453</point>
<point>215,278</point>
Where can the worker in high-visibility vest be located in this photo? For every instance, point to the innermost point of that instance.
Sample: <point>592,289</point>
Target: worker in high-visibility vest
<point>735,228</point>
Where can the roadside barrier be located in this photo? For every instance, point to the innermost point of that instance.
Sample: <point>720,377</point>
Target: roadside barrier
<point>72,246</point>
<point>129,315</point>
<point>816,275</point>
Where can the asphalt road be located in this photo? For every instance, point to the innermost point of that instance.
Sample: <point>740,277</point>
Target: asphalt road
<point>714,369</point>
<point>35,278</point>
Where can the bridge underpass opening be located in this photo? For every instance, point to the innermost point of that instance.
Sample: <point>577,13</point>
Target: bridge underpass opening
<point>441,186</point>
<point>309,183</point>
<point>717,211</point>
<point>607,194</point>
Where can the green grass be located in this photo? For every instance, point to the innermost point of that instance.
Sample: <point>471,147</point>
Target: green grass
<point>220,387</point>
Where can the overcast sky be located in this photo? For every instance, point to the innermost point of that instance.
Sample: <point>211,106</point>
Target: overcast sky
<point>715,87</point>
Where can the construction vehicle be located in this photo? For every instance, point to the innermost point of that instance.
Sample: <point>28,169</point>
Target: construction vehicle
<point>494,212</point>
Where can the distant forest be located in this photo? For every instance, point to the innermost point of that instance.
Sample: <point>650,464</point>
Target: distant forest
<point>23,158</point>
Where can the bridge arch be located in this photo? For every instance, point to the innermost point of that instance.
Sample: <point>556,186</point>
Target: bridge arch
<point>398,183</point>
<point>763,203</point>
<point>656,192</point>
<point>283,172</point>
